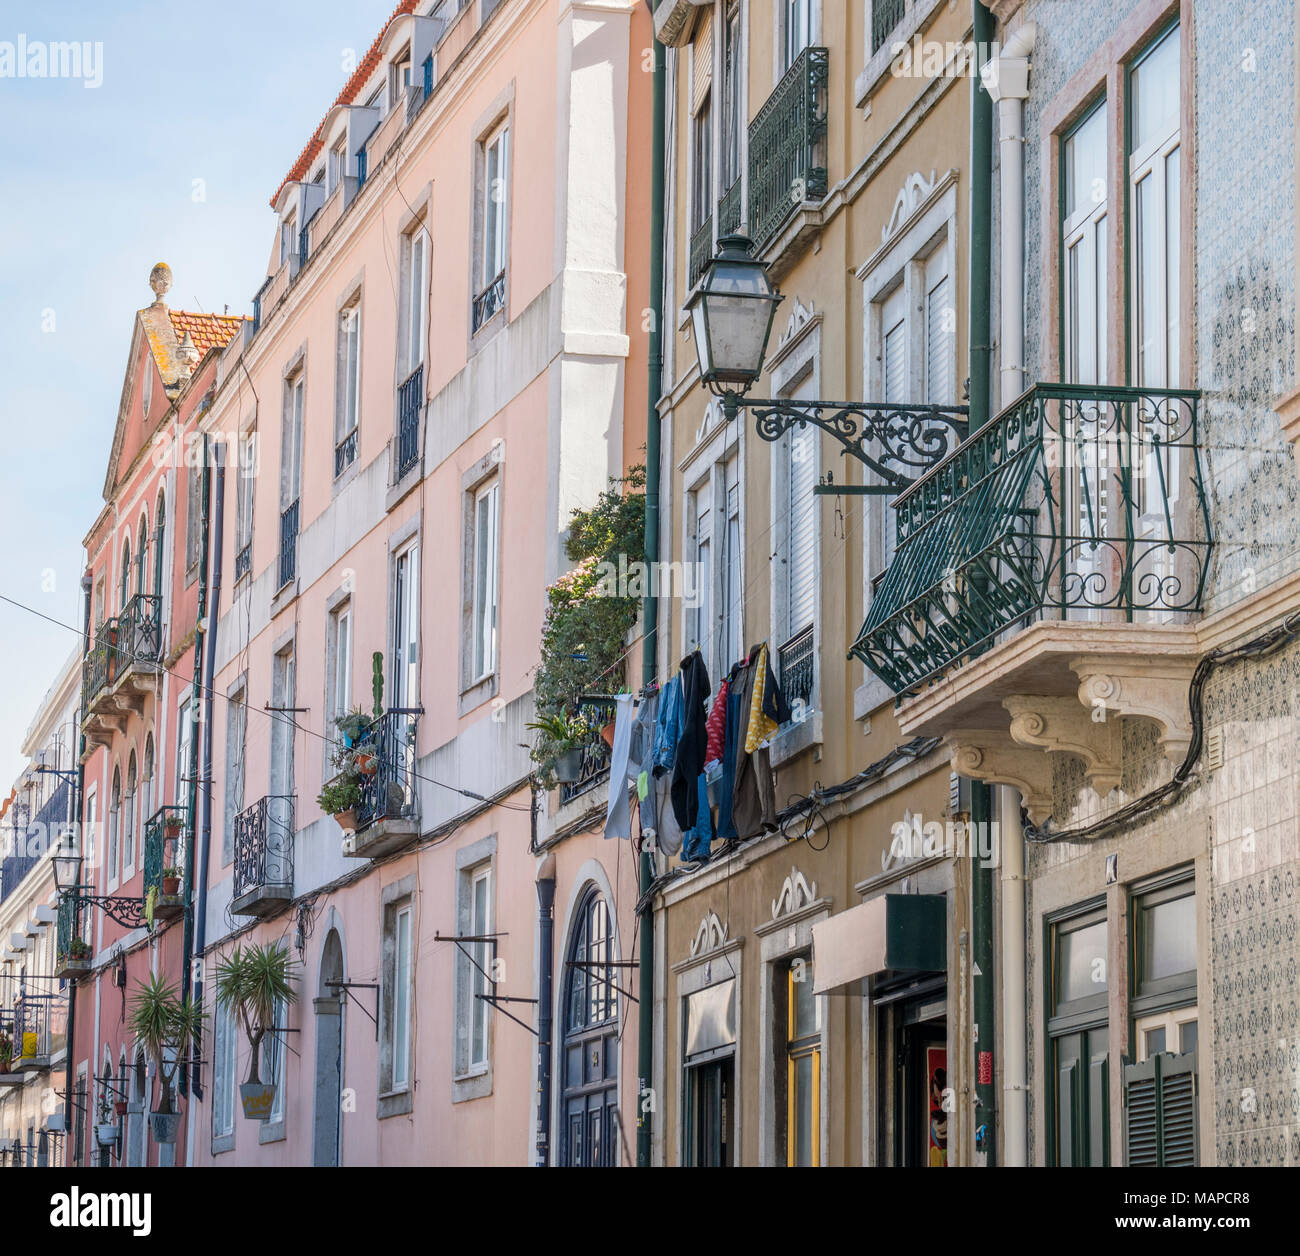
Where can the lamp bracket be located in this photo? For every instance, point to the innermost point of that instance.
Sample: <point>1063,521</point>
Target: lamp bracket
<point>898,441</point>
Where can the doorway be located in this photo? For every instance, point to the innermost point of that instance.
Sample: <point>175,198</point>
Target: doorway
<point>327,1119</point>
<point>710,1088</point>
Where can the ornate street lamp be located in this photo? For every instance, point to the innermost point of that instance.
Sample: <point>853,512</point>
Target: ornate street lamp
<point>731,314</point>
<point>732,310</point>
<point>66,862</point>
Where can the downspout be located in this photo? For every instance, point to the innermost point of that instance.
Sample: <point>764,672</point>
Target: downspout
<point>545,982</point>
<point>650,606</point>
<point>78,795</point>
<point>1007,82</point>
<point>981,202</point>
<point>196,728</point>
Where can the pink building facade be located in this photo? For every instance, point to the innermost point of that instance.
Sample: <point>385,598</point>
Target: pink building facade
<point>445,360</point>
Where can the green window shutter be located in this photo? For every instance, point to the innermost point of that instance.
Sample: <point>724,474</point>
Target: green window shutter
<point>1160,1111</point>
<point>1067,1108</point>
<point>1099,1106</point>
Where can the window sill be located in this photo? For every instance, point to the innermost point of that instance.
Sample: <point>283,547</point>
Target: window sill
<point>286,594</point>
<point>478,693</point>
<point>272,1132</point>
<point>877,69</point>
<point>487,331</point>
<point>223,1144</point>
<point>794,740</point>
<point>394,1103</point>
<point>399,491</point>
<point>472,1085</point>
<point>870,696</point>
<point>347,475</point>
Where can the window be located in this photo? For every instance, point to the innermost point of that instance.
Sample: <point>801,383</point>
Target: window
<point>338,163</point>
<point>733,594</point>
<point>291,439</point>
<point>401,1043</point>
<point>800,508</point>
<point>114,823</point>
<point>225,1039</point>
<point>885,16</point>
<point>288,238</point>
<point>279,839</point>
<point>400,76</point>
<point>480,926</point>
<point>496,176</point>
<point>128,818</point>
<point>1160,1089</point>
<point>146,782</point>
<point>799,1033</point>
<point>715,621</point>
<point>1084,247</point>
<point>1078,1041</point>
<point>486,561</point>
<point>404,671</point>
<point>159,550</point>
<point>414,290</point>
<point>347,404</point>
<point>142,555</point>
<point>702,634</point>
<point>124,591</point>
<point>236,732</point>
<point>146,388</point>
<point>702,166</point>
<point>193,533</point>
<point>797,16</point>
<point>399,949</point>
<point>245,482</point>
<point>340,677</point>
<point>272,1071</point>
<point>732,100</point>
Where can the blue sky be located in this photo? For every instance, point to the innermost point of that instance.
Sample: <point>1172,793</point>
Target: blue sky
<point>96,185</point>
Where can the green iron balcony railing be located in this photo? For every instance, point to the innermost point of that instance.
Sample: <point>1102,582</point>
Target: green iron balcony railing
<point>388,789</point>
<point>132,638</point>
<point>166,855</point>
<point>787,143</point>
<point>701,249</point>
<point>263,856</point>
<point>594,769</point>
<point>729,216</point>
<point>1077,502</point>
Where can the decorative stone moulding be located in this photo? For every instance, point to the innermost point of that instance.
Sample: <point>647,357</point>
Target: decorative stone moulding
<point>1287,408</point>
<point>1062,724</point>
<point>1154,689</point>
<point>991,756</point>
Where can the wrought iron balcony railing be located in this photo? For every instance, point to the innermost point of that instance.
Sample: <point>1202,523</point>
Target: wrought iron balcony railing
<point>243,561</point>
<point>28,842</point>
<point>1076,502</point>
<point>288,544</point>
<point>263,862</point>
<point>389,793</point>
<point>701,249</point>
<point>885,16</point>
<point>40,1030</point>
<point>166,845</point>
<point>345,453</point>
<point>132,638</point>
<point>729,216</point>
<point>796,663</point>
<point>410,397</point>
<point>490,301</point>
<point>787,145</point>
<point>595,754</point>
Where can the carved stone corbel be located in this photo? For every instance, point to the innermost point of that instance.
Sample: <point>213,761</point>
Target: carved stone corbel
<point>1146,688</point>
<point>989,755</point>
<point>1055,723</point>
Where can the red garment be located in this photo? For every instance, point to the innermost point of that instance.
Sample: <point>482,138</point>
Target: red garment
<point>715,727</point>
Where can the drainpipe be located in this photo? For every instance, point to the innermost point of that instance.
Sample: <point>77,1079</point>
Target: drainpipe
<point>1006,80</point>
<point>650,607</point>
<point>78,795</point>
<point>545,982</point>
<point>981,201</point>
<point>1015,998</point>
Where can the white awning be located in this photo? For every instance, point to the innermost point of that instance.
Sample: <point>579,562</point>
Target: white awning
<point>900,932</point>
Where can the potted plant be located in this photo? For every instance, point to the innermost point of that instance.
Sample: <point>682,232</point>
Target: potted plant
<point>561,743</point>
<point>171,882</point>
<point>164,1024</point>
<point>120,1107</point>
<point>6,1052</point>
<point>352,726</point>
<point>251,984</point>
<point>173,825</point>
<point>76,959</point>
<point>105,1130</point>
<point>341,797</point>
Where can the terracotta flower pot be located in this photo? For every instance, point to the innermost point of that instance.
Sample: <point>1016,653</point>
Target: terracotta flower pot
<point>346,820</point>
<point>119,1107</point>
<point>367,762</point>
<point>607,734</point>
<point>171,886</point>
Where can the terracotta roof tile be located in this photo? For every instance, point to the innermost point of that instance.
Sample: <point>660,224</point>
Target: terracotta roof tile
<point>208,331</point>
<point>354,84</point>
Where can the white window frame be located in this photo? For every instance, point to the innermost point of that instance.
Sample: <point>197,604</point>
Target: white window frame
<point>403,998</point>
<point>480,1014</point>
<point>340,657</point>
<point>347,403</point>
<point>236,749</point>
<point>225,1041</point>
<point>1172,1023</point>
<point>404,625</point>
<point>784,51</point>
<point>903,263</point>
<point>494,206</point>
<point>485,588</point>
<point>291,444</point>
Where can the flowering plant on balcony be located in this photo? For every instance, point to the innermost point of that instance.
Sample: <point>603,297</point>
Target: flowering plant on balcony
<point>78,948</point>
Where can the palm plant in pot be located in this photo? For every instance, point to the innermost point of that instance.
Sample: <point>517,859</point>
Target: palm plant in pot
<point>252,984</point>
<point>165,1025</point>
<point>560,743</point>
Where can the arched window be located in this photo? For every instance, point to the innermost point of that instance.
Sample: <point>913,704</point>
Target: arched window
<point>159,530</point>
<point>146,780</point>
<point>128,817</point>
<point>126,574</point>
<point>142,555</point>
<point>114,820</point>
<point>589,1133</point>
